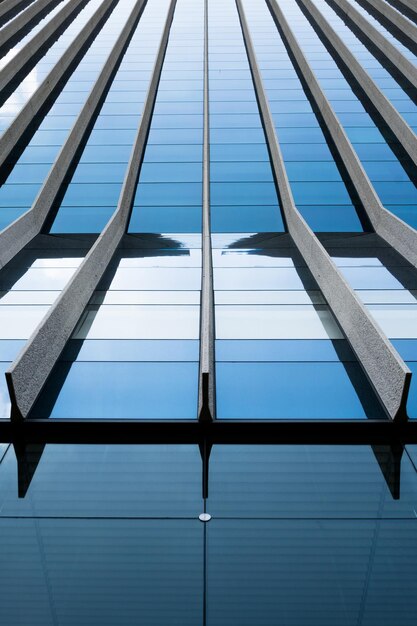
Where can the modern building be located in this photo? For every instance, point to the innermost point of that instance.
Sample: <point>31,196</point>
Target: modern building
<point>208,304</point>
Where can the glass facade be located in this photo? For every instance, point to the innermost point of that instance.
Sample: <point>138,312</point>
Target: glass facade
<point>208,314</point>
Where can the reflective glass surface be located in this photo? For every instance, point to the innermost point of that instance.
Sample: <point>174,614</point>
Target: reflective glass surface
<point>280,352</point>
<point>387,285</point>
<point>134,353</point>
<point>305,534</point>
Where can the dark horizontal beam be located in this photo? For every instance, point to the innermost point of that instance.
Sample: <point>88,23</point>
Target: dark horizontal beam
<point>364,432</point>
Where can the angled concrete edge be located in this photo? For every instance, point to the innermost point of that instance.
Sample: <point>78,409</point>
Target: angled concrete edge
<point>393,17</point>
<point>206,390</point>
<point>398,234</point>
<point>390,115</point>
<point>27,115</point>
<point>407,7</point>
<point>29,16</point>
<point>39,41</point>
<point>22,230</point>
<point>10,8</point>
<point>30,370</point>
<point>384,367</point>
<point>385,47</point>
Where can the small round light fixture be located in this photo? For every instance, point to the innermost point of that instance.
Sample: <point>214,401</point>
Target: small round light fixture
<point>204,517</point>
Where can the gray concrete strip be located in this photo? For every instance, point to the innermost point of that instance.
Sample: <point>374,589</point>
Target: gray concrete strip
<point>206,390</point>
<point>21,231</point>
<point>21,25</point>
<point>374,37</point>
<point>407,7</point>
<point>399,127</point>
<point>392,19</point>
<point>397,233</point>
<point>21,64</point>
<point>10,8</point>
<point>29,372</point>
<point>384,367</point>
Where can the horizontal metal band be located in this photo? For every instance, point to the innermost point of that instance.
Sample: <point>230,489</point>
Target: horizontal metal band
<point>343,432</point>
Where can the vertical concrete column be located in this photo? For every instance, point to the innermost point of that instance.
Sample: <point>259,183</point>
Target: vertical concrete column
<point>375,38</point>
<point>384,367</point>
<point>399,235</point>
<point>389,114</point>
<point>21,231</point>
<point>29,372</point>
<point>206,392</point>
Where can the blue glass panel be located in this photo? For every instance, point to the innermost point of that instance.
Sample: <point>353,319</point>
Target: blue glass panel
<point>307,481</point>
<point>120,390</point>
<point>311,572</point>
<point>130,350</point>
<point>283,350</point>
<point>171,194</point>
<point>9,348</point>
<point>246,219</point>
<point>166,219</point>
<point>293,391</point>
<point>325,218</point>
<point>102,571</point>
<point>97,480</point>
<point>82,219</point>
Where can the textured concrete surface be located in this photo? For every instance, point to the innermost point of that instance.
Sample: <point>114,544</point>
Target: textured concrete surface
<point>38,42</point>
<point>393,16</point>
<point>10,8</point>
<point>390,115</point>
<point>29,372</point>
<point>22,62</point>
<point>400,235</point>
<point>385,47</point>
<point>23,22</point>
<point>384,367</point>
<point>408,7</point>
<point>22,230</point>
